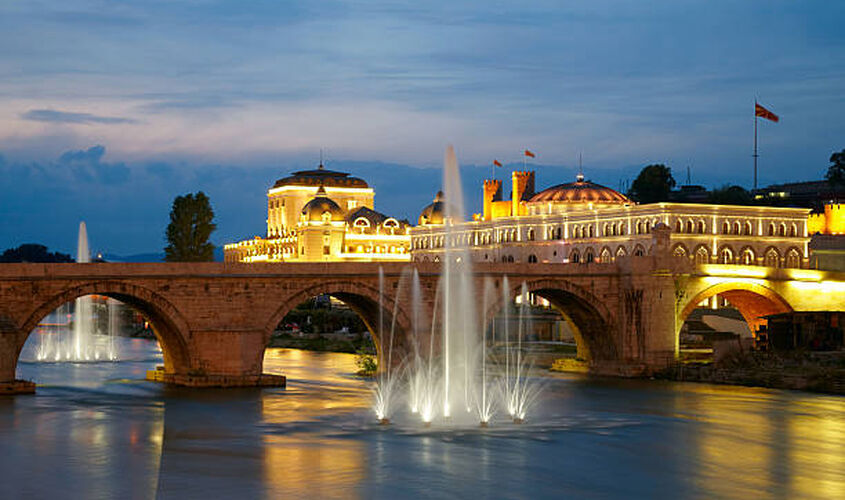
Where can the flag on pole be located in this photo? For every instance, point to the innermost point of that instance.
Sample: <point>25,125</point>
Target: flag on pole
<point>765,113</point>
<point>497,163</point>
<point>529,154</point>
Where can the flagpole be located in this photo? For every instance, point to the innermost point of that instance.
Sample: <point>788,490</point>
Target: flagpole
<point>755,145</point>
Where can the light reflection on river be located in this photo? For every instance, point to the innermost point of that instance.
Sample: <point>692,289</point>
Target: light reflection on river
<point>98,431</point>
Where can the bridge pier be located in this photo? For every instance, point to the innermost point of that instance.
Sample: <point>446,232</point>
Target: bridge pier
<point>8,361</point>
<point>223,358</point>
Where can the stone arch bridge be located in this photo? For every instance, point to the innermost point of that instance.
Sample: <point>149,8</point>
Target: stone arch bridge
<point>214,320</point>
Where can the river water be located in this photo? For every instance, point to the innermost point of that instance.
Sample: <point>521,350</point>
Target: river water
<point>100,431</point>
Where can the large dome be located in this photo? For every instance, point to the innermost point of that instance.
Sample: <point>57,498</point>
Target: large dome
<point>321,177</point>
<point>581,192</point>
<point>434,212</point>
<point>315,209</point>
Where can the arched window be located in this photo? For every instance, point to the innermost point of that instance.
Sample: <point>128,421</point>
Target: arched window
<point>590,231</point>
<point>747,257</point>
<point>793,231</point>
<point>620,252</point>
<point>530,235</point>
<point>748,229</point>
<point>726,228</point>
<point>726,256</point>
<point>622,228</point>
<point>639,251</point>
<point>690,226</point>
<point>771,258</point>
<point>701,227</point>
<point>680,251</point>
<point>737,228</point>
<point>613,229</point>
<point>679,226</point>
<point>532,259</point>
<point>782,230</point>
<point>605,256</point>
<point>588,256</point>
<point>575,257</point>
<point>702,255</point>
<point>559,233</point>
<point>606,230</point>
<point>793,258</point>
<point>639,227</point>
<point>771,229</point>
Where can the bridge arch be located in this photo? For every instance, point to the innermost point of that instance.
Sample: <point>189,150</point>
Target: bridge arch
<point>168,325</point>
<point>752,300</point>
<point>591,321</point>
<point>363,298</point>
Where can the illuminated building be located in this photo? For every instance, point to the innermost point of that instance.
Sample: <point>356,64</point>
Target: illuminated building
<point>323,215</point>
<point>584,222</point>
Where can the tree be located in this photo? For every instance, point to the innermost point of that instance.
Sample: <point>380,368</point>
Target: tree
<point>33,252</point>
<point>653,184</point>
<point>730,195</point>
<point>191,225</point>
<point>836,172</point>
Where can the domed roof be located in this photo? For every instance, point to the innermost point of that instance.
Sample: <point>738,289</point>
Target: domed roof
<point>314,209</point>
<point>581,191</point>
<point>434,213</point>
<point>321,177</point>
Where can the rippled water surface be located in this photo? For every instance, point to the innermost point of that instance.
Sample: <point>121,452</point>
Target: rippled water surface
<point>100,431</point>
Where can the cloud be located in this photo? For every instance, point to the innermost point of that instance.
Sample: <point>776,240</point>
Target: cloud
<point>53,116</point>
<point>86,165</point>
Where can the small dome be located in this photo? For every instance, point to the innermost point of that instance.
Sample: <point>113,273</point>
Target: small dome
<point>317,208</point>
<point>581,192</point>
<point>433,213</point>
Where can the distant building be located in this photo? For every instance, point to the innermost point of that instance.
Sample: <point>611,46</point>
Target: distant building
<point>812,194</point>
<point>690,193</point>
<point>583,222</point>
<point>324,215</point>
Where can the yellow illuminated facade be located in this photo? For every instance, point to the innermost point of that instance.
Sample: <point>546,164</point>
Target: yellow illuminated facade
<point>831,221</point>
<point>324,215</point>
<point>583,222</point>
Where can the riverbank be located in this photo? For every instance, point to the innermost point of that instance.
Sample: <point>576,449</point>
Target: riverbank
<point>322,343</point>
<point>804,371</point>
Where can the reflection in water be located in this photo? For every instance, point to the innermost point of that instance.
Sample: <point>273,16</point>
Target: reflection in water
<point>99,431</point>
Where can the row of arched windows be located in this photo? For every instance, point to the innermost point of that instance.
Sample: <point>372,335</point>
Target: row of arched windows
<point>746,256</point>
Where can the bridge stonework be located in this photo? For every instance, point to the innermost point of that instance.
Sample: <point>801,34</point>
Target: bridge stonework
<point>214,320</point>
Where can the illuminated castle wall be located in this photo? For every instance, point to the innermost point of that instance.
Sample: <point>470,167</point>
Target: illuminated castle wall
<point>582,222</point>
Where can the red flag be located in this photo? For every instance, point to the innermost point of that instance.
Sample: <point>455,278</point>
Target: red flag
<point>529,154</point>
<point>496,162</point>
<point>764,113</point>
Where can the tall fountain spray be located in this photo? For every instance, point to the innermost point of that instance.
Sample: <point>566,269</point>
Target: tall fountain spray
<point>447,368</point>
<point>83,343</point>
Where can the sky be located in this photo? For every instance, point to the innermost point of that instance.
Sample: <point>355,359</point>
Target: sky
<point>109,109</point>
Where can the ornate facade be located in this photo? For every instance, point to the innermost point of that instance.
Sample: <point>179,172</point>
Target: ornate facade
<point>583,222</point>
<point>324,215</point>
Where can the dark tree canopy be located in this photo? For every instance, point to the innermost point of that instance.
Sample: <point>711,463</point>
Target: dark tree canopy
<point>33,252</point>
<point>191,225</point>
<point>653,184</point>
<point>836,172</point>
<point>730,195</point>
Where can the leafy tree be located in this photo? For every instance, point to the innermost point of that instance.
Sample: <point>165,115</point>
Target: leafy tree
<point>653,184</point>
<point>836,172</point>
<point>191,225</point>
<point>730,195</point>
<point>33,252</point>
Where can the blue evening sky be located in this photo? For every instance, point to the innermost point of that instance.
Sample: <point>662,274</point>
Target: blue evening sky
<point>109,109</point>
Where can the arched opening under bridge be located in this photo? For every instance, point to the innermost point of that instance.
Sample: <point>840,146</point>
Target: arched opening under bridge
<point>724,311</point>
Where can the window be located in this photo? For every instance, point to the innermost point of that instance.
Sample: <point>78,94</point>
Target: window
<point>530,235</point>
<point>748,257</point>
<point>793,231</point>
<point>574,257</point>
<point>726,228</point>
<point>679,251</point>
<point>532,259</point>
<point>559,233</point>
<point>327,250</point>
<point>588,256</point>
<point>772,258</point>
<point>793,259</point>
<point>782,230</point>
<point>701,227</point>
<point>702,256</point>
<point>606,256</point>
<point>771,229</point>
<point>726,256</point>
<point>679,227</point>
<point>350,204</point>
<point>748,229</point>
